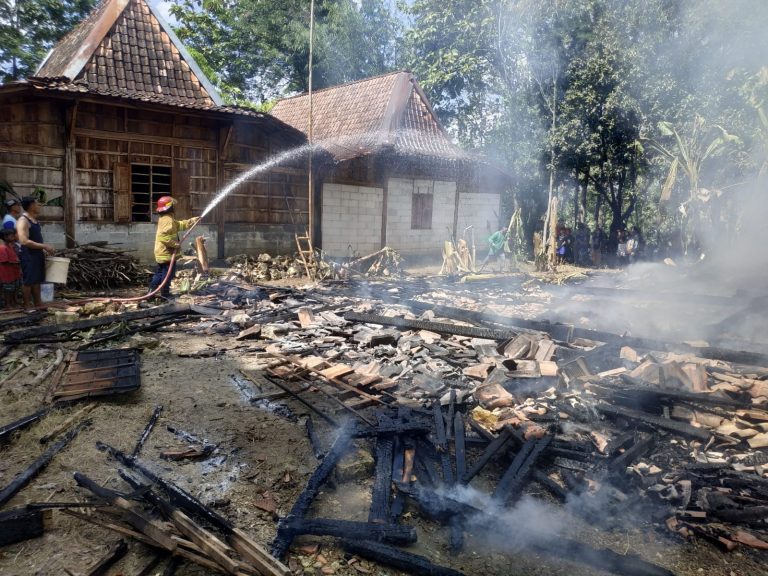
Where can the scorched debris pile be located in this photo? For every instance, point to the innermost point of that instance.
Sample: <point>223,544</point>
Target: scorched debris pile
<point>470,417</point>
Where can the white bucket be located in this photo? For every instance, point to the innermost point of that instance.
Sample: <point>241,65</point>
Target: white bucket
<point>46,292</point>
<point>56,269</point>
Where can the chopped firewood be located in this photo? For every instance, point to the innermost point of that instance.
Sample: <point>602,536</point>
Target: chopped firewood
<point>306,317</point>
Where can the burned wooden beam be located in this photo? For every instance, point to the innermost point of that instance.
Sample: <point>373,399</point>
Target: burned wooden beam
<point>22,524</point>
<point>314,439</point>
<point>640,448</point>
<point>300,507</point>
<point>393,426</point>
<point>641,388</point>
<point>608,560</point>
<point>459,445</point>
<point>147,431</point>
<point>382,482</point>
<point>7,430</point>
<point>405,561</point>
<point>451,413</point>
<point>205,540</point>
<point>514,323</point>
<point>19,336</point>
<point>441,444</point>
<point>26,476</point>
<point>664,423</point>
<point>438,327</point>
<point>131,512</point>
<point>177,495</point>
<point>315,409</point>
<point>553,487</point>
<point>397,534</point>
<point>498,443</point>
<point>514,478</point>
<point>115,553</point>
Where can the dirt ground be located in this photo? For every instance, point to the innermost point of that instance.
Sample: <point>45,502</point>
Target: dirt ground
<point>261,457</point>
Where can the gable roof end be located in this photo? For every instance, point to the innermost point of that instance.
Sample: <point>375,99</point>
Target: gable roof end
<point>125,48</point>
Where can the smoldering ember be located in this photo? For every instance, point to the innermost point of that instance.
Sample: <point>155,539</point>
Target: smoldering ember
<point>371,287</point>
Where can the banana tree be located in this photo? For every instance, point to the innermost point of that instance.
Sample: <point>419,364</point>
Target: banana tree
<point>687,155</point>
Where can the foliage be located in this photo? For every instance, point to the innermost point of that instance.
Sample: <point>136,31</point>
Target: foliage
<point>260,50</point>
<point>29,28</point>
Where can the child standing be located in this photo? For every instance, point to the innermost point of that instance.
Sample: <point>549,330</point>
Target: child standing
<point>10,268</point>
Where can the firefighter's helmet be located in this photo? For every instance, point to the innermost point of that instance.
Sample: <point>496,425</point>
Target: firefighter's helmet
<point>164,204</point>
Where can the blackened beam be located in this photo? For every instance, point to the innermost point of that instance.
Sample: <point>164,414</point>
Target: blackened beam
<point>623,564</point>
<point>451,412</point>
<point>7,430</point>
<point>641,387</point>
<point>248,549</point>
<point>300,507</point>
<point>554,488</point>
<point>438,327</point>
<point>115,553</point>
<point>398,534</point>
<point>664,423</point>
<point>405,561</point>
<point>147,431</point>
<point>382,482</point>
<point>501,441</point>
<point>442,444</point>
<point>177,495</point>
<point>314,439</point>
<point>711,352</point>
<point>393,426</point>
<point>315,409</point>
<point>514,478</point>
<point>642,446</point>
<point>29,333</point>
<point>26,476</point>
<point>459,445</point>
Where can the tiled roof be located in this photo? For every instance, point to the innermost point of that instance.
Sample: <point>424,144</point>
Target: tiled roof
<point>124,48</point>
<point>359,118</point>
<point>63,85</point>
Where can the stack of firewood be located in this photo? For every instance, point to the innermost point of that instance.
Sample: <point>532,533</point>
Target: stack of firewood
<point>98,266</point>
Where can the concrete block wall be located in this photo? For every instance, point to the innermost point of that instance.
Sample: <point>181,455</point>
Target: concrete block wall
<point>351,216</point>
<point>399,207</point>
<point>480,211</point>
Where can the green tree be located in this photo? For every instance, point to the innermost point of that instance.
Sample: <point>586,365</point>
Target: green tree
<point>260,50</point>
<point>29,28</point>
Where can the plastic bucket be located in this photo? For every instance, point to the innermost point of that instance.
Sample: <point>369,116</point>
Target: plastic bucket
<point>46,292</point>
<point>56,269</point>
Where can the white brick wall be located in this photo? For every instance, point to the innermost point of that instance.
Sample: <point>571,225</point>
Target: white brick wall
<point>351,217</point>
<point>399,204</point>
<point>481,212</point>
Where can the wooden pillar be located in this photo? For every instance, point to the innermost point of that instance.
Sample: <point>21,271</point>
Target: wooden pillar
<point>225,135</point>
<point>70,176</point>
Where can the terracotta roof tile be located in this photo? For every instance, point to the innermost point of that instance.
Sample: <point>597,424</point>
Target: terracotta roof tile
<point>122,46</point>
<point>362,117</point>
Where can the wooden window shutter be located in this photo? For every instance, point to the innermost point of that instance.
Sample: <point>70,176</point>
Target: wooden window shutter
<point>180,192</point>
<point>121,188</point>
<point>421,211</point>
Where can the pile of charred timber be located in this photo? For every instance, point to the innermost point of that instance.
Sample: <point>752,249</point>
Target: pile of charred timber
<point>618,429</point>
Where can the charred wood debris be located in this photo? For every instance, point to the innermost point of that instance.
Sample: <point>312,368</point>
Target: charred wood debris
<point>618,429</point>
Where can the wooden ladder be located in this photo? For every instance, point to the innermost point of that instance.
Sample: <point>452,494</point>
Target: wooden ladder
<point>307,254</point>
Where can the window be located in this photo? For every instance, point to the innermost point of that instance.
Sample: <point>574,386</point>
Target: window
<point>148,184</point>
<point>421,208</point>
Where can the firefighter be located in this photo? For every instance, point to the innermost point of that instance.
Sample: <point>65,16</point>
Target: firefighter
<point>166,243</point>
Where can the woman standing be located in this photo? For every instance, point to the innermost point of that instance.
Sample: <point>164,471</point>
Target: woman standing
<point>33,252</point>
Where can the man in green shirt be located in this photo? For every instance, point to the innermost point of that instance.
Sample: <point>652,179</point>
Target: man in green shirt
<point>496,244</point>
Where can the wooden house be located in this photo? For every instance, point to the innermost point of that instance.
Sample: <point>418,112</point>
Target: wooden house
<point>396,178</point>
<point>118,115</point>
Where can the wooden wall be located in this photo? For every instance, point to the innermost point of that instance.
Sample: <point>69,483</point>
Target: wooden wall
<point>277,196</point>
<point>31,145</point>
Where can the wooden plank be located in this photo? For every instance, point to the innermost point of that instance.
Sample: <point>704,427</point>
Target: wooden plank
<point>337,371</point>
